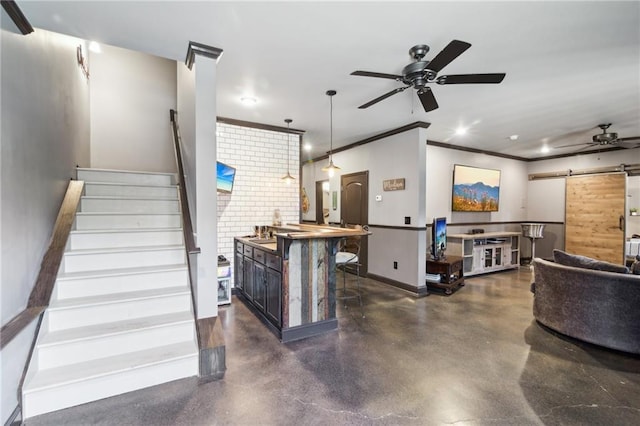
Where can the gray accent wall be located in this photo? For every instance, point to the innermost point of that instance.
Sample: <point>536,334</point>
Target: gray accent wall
<point>45,134</point>
<point>131,95</point>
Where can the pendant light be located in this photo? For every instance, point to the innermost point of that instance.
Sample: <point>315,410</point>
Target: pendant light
<point>288,178</point>
<point>331,168</point>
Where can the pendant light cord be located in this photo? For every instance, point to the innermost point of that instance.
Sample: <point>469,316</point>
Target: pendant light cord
<point>331,127</point>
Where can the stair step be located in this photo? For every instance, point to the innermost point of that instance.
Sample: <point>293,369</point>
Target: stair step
<point>129,190</point>
<point>113,220</point>
<point>83,311</point>
<point>121,176</point>
<point>66,386</point>
<point>94,283</point>
<point>109,238</point>
<point>123,257</point>
<point>104,204</point>
<point>74,345</point>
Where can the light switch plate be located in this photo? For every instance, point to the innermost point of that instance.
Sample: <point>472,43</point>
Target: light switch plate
<point>378,197</point>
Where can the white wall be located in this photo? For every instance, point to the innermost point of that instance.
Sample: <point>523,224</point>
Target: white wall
<point>397,156</point>
<point>186,101</point>
<point>45,133</point>
<point>131,95</point>
<point>513,186</point>
<point>260,159</point>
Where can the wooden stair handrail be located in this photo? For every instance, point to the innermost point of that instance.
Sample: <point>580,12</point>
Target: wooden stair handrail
<point>40,296</point>
<point>187,229</point>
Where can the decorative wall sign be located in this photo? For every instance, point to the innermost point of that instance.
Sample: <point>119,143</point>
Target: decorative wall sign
<point>334,199</point>
<point>393,184</point>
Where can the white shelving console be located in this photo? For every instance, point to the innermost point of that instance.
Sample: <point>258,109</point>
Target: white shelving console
<point>487,252</point>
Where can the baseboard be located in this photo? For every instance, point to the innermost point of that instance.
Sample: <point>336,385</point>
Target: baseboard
<point>415,291</point>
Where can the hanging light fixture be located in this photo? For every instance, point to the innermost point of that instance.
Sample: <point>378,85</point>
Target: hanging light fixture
<point>288,178</point>
<point>331,168</point>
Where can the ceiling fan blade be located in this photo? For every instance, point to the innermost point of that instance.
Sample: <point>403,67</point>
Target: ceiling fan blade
<point>428,100</point>
<point>471,79</point>
<point>629,142</point>
<point>383,97</point>
<point>454,49</point>
<point>633,138</point>
<point>377,74</point>
<point>578,144</point>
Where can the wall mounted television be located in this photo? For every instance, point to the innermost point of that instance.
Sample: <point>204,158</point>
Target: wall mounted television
<point>438,237</point>
<point>475,189</point>
<point>225,178</point>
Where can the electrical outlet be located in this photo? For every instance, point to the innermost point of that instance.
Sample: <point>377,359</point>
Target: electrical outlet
<point>407,220</point>
<point>395,265</point>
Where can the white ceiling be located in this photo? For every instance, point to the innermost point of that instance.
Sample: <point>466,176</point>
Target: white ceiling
<point>569,65</point>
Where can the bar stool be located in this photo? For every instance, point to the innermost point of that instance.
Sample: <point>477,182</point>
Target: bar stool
<point>348,257</point>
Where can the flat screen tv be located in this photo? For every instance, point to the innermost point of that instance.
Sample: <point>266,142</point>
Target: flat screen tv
<point>475,189</point>
<point>225,177</point>
<point>439,237</point>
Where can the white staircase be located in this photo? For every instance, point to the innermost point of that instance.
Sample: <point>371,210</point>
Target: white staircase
<point>120,316</point>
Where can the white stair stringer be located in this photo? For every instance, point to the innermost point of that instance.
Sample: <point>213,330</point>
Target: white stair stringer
<point>120,317</point>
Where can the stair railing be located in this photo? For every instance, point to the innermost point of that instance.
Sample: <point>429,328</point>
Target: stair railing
<point>187,228</point>
<point>40,295</point>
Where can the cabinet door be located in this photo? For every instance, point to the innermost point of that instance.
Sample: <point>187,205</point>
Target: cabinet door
<point>274,296</point>
<point>506,255</point>
<point>248,277</point>
<point>259,285</point>
<point>238,271</point>
<point>478,258</point>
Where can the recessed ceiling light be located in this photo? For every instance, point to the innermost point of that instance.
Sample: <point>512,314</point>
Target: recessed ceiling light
<point>514,137</point>
<point>248,101</point>
<point>461,131</point>
<point>307,147</point>
<point>95,47</point>
<point>544,149</point>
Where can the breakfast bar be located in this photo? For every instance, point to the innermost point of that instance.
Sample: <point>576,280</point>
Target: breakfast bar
<point>289,280</point>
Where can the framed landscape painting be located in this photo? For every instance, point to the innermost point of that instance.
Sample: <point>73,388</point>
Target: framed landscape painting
<point>475,189</point>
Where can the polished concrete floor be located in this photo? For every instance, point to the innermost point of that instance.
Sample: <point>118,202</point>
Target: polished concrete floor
<point>474,358</point>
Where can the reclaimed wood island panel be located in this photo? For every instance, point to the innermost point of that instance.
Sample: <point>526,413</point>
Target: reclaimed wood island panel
<point>289,282</point>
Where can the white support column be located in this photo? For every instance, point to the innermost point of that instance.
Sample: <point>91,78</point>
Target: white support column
<point>206,196</point>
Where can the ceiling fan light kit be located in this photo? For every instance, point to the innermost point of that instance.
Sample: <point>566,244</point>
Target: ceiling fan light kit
<point>331,168</point>
<point>421,72</point>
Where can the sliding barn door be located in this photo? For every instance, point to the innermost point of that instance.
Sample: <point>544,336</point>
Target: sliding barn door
<point>594,216</point>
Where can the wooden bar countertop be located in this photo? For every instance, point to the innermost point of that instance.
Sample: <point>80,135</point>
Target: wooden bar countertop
<point>300,231</point>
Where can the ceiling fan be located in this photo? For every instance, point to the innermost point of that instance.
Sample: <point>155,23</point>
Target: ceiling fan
<point>420,73</point>
<point>606,138</point>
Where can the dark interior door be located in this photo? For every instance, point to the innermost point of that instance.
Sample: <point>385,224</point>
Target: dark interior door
<point>319,203</point>
<point>354,207</point>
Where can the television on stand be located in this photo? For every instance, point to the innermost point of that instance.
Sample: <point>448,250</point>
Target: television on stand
<point>225,175</point>
<point>439,238</point>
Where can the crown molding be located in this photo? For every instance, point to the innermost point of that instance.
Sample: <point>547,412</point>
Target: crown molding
<point>203,50</point>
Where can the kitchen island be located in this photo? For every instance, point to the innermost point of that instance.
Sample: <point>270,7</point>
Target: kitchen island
<point>289,281</point>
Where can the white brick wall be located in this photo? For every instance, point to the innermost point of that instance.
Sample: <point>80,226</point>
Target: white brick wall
<point>260,159</point>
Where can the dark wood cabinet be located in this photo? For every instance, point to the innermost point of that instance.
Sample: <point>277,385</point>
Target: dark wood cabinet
<point>259,284</point>
<point>274,296</point>
<point>259,281</point>
<point>247,279</point>
<point>238,270</point>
